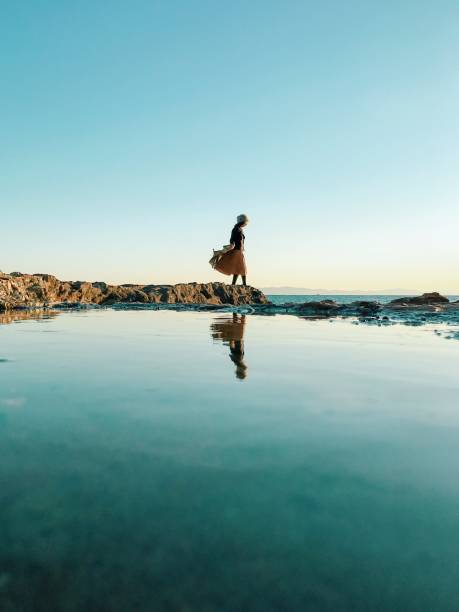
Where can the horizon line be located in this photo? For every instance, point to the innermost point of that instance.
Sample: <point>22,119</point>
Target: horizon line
<point>321,291</point>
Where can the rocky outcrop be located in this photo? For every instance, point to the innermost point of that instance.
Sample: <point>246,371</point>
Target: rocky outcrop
<point>324,309</point>
<point>330,308</point>
<point>42,296</point>
<point>28,291</point>
<point>425,299</point>
<point>430,308</point>
<point>42,290</point>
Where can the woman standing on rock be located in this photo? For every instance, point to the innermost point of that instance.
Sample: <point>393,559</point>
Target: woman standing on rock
<point>233,261</point>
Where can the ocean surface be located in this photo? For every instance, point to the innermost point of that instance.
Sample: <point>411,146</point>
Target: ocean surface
<point>184,461</point>
<point>342,299</point>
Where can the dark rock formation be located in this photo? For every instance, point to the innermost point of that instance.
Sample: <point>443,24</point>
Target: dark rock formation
<point>324,308</point>
<point>421,300</point>
<point>40,290</point>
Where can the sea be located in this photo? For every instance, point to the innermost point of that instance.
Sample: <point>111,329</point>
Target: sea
<point>342,299</point>
<point>216,462</point>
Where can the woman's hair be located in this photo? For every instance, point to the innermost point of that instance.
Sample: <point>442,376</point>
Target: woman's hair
<point>242,219</point>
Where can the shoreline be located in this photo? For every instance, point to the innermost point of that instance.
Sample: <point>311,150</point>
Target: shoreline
<point>366,313</point>
<point>44,292</point>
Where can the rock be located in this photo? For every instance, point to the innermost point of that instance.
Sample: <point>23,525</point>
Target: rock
<point>100,285</point>
<point>365,304</point>
<point>362,308</point>
<point>322,305</point>
<point>422,300</point>
<point>324,308</point>
<point>40,290</point>
<point>330,308</point>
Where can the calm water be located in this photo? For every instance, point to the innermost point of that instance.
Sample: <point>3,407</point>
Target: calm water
<point>194,462</point>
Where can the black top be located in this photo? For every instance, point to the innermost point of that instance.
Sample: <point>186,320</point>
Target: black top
<point>237,237</point>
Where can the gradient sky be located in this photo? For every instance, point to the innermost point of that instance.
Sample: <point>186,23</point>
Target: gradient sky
<point>132,134</point>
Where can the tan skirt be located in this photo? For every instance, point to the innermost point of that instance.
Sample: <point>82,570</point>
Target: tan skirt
<point>232,262</point>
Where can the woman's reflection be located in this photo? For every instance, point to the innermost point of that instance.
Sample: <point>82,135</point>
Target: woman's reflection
<point>230,331</point>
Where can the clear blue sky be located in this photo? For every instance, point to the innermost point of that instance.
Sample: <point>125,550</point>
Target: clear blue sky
<point>133,133</point>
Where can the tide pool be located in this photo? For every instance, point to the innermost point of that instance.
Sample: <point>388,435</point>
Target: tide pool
<point>159,460</point>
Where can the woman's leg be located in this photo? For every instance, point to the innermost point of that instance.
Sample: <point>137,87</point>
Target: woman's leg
<point>244,281</point>
<point>234,278</point>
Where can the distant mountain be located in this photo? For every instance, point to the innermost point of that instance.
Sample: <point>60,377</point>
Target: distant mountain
<point>307,291</point>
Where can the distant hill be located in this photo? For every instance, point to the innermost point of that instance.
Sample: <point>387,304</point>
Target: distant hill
<point>307,291</point>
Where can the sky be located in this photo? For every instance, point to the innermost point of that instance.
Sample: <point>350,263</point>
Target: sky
<point>133,133</point>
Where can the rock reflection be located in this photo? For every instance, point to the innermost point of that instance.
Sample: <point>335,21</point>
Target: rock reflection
<point>230,331</point>
<point>22,315</point>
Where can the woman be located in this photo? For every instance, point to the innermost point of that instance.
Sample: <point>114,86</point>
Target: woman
<point>233,261</point>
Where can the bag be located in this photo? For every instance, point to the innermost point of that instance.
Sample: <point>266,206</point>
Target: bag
<point>217,255</point>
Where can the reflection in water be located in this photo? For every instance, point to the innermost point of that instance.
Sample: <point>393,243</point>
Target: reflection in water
<point>230,331</point>
<point>22,315</point>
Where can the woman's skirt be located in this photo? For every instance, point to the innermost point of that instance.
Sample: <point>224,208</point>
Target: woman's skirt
<point>232,262</point>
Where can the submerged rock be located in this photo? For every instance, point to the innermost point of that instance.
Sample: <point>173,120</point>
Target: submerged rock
<point>324,308</point>
<point>41,290</point>
<point>421,300</point>
<point>330,308</point>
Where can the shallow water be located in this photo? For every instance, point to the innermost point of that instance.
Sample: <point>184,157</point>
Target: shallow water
<point>200,462</point>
